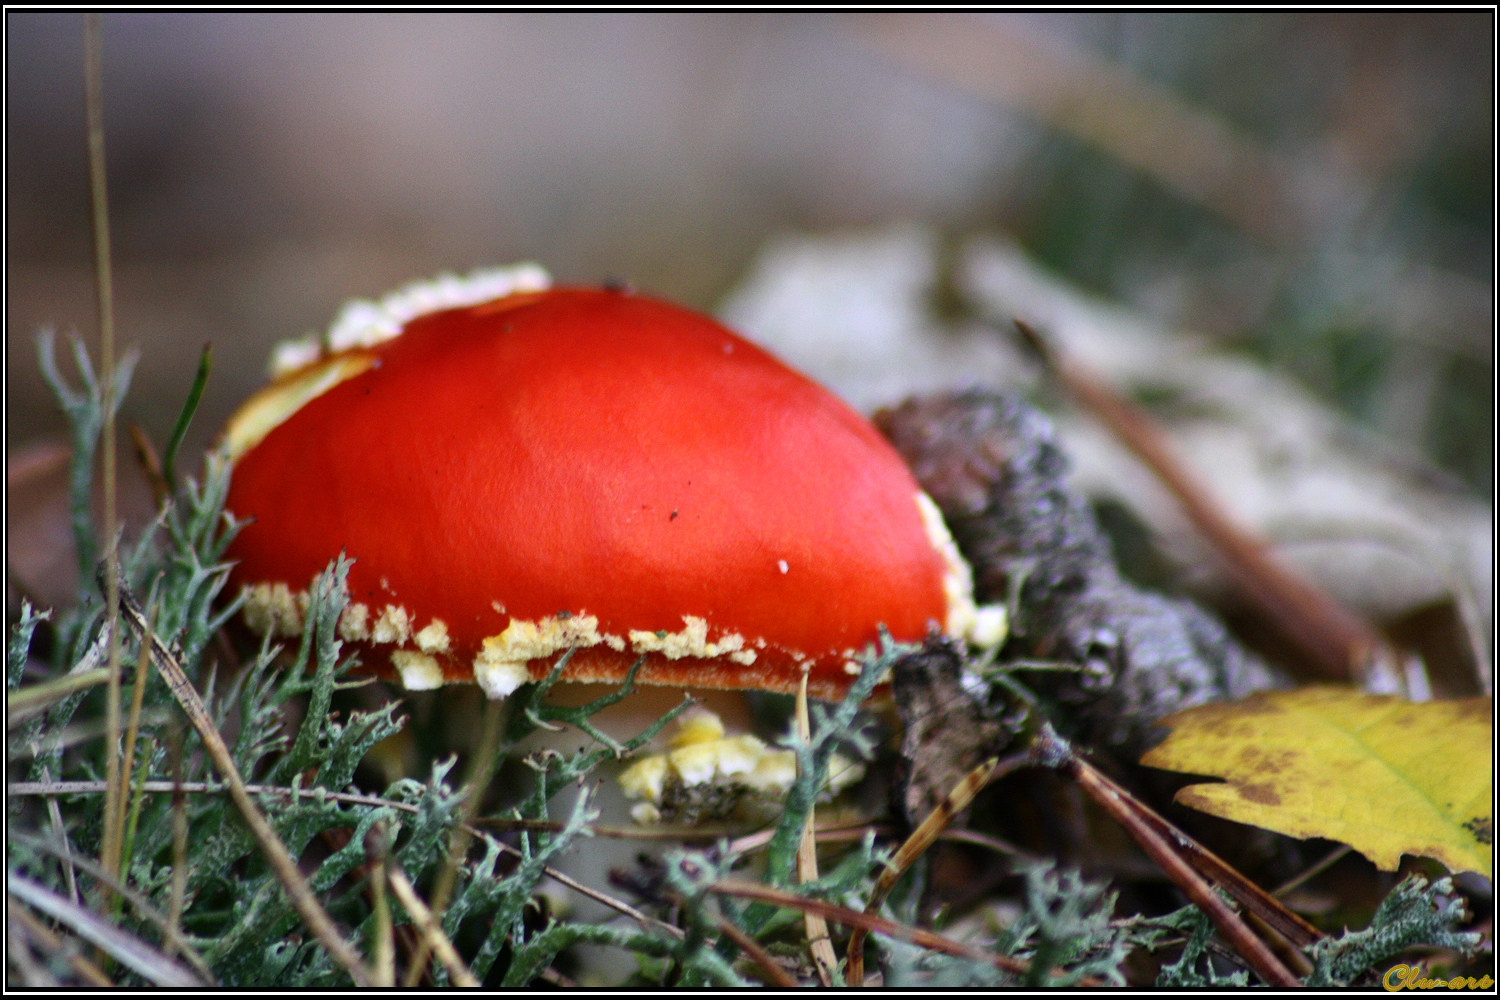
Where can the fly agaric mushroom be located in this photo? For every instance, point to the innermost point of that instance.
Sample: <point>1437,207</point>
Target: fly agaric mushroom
<point>519,472</point>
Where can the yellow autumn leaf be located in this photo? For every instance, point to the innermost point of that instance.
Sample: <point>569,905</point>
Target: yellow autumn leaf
<point>1383,775</point>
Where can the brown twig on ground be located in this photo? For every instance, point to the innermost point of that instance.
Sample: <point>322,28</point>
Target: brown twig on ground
<point>1130,814</point>
<point>775,974</point>
<point>854,918</point>
<point>297,890</point>
<point>1333,639</point>
<point>433,938</point>
<point>1225,877</point>
<point>918,843</point>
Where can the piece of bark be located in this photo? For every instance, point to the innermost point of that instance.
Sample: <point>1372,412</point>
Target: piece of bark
<point>947,729</point>
<point>993,467</point>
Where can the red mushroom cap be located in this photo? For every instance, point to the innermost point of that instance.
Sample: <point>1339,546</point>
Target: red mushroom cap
<point>583,469</point>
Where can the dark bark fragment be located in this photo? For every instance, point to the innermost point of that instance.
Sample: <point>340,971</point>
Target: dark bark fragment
<point>994,469</point>
<point>947,729</point>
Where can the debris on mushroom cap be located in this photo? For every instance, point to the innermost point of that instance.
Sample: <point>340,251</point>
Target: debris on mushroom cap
<point>519,472</point>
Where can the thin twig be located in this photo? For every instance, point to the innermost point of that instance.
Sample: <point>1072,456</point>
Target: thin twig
<point>132,731</point>
<point>551,975</point>
<point>178,900</point>
<point>1127,812</point>
<point>879,925</point>
<point>275,851</point>
<point>432,932</point>
<point>54,815</point>
<point>1223,875</point>
<point>775,974</point>
<point>918,843</point>
<point>1328,861</point>
<point>987,841</point>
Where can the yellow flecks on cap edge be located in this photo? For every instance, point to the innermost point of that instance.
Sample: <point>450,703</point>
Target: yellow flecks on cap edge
<point>499,678</point>
<point>393,625</point>
<point>433,638</point>
<point>272,609</point>
<point>692,641</point>
<point>501,665</point>
<point>985,625</point>
<point>355,623</point>
<point>645,778</point>
<point>697,726</point>
<point>419,672</point>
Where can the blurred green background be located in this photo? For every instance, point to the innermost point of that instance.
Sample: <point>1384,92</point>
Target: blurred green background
<point>1315,189</point>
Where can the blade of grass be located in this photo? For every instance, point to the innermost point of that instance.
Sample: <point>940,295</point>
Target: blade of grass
<point>291,794</point>
<point>124,948</point>
<point>132,731</point>
<point>28,701</point>
<point>145,456</point>
<point>481,770</point>
<point>44,936</point>
<point>377,864</point>
<point>178,899</point>
<point>818,942</point>
<point>172,938</point>
<point>93,71</point>
<point>185,418</point>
